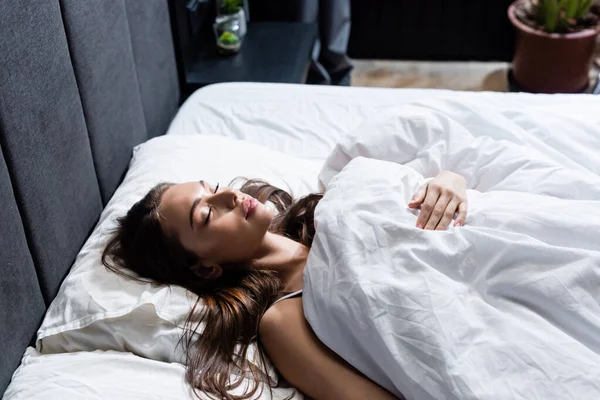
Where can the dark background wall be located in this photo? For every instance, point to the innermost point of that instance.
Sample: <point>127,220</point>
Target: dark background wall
<point>431,30</point>
<point>414,29</point>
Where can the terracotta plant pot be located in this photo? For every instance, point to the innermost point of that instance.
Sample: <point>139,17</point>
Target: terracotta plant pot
<point>551,62</point>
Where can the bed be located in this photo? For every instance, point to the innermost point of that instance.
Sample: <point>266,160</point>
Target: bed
<point>90,119</point>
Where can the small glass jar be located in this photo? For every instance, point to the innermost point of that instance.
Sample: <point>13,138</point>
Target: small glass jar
<point>228,33</point>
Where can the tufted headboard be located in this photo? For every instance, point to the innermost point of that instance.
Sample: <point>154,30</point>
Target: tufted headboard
<point>81,83</point>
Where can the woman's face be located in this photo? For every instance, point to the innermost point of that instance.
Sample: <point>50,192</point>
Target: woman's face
<point>220,226</point>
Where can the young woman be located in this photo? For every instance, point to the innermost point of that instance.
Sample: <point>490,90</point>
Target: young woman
<point>246,262</point>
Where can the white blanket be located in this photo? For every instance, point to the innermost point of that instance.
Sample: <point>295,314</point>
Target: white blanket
<point>506,307</point>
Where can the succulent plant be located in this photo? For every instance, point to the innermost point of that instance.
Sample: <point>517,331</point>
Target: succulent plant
<point>230,6</point>
<point>559,15</point>
<point>229,38</point>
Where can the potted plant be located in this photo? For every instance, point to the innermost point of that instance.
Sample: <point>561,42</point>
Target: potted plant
<point>230,26</point>
<point>555,43</point>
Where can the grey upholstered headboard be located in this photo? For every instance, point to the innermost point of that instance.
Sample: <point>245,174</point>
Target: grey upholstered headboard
<point>81,83</point>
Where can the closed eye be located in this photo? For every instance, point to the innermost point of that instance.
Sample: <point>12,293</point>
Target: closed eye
<point>210,208</point>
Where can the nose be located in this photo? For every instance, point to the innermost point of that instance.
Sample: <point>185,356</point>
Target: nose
<point>226,197</point>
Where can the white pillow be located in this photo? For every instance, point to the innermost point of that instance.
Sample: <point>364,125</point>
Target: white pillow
<point>97,309</point>
<point>107,375</point>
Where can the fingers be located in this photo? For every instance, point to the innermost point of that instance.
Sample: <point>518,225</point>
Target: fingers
<point>438,206</point>
<point>438,211</point>
<point>448,215</point>
<point>431,198</point>
<point>418,197</point>
<point>462,214</point>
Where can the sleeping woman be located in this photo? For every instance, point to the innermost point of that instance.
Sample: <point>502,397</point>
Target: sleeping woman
<point>245,262</point>
<point>444,291</point>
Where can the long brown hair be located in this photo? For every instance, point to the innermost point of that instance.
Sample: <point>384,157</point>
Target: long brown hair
<point>229,307</point>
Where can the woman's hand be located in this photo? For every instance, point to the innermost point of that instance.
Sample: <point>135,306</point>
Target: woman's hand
<point>440,199</point>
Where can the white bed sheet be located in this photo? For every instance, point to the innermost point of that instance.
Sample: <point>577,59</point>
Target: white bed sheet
<point>307,121</point>
<point>108,375</point>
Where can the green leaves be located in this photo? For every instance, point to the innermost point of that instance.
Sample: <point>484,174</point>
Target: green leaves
<point>230,6</point>
<point>229,38</point>
<point>558,15</point>
<point>551,17</point>
<point>570,7</point>
<point>584,7</point>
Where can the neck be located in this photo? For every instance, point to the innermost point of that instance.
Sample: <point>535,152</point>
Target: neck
<point>287,257</point>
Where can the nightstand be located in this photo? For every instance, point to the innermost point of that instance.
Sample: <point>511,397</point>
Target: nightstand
<point>271,52</point>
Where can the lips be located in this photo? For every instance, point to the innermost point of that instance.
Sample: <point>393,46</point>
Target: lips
<point>250,204</point>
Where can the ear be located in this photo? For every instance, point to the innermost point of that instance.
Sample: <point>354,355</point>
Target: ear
<point>208,270</point>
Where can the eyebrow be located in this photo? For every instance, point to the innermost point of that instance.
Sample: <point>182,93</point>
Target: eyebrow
<point>194,205</point>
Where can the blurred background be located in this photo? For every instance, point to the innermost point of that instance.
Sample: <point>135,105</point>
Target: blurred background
<point>449,44</point>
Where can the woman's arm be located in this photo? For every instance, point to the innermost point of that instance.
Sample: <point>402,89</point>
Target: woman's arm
<point>308,364</point>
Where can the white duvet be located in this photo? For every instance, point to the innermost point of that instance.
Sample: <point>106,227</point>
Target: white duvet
<point>506,307</point>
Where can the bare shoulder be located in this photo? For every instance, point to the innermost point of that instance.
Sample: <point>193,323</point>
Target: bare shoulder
<point>281,315</point>
<point>305,362</point>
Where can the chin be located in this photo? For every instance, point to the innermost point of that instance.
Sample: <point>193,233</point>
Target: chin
<point>263,215</point>
<point>265,212</point>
